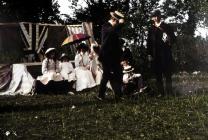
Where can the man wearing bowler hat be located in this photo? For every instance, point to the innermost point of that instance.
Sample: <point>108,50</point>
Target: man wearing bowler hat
<point>110,55</point>
<point>159,43</point>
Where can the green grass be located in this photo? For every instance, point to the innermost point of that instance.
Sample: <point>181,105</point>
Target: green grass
<point>83,117</point>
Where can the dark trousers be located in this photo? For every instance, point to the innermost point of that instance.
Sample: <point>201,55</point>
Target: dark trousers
<point>112,73</point>
<point>168,82</point>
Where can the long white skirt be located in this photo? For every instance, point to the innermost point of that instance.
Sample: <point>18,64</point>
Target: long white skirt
<point>84,79</point>
<point>51,75</point>
<point>21,82</point>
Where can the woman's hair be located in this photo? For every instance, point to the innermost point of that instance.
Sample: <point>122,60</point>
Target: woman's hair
<point>83,47</point>
<point>48,57</point>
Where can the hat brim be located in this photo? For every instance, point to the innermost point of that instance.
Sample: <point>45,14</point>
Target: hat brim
<point>112,15</point>
<point>50,50</point>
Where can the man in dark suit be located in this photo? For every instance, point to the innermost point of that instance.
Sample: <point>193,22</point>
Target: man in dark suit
<point>159,42</point>
<point>110,55</point>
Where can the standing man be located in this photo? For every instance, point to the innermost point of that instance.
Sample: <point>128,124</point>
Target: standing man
<point>159,41</point>
<point>110,55</point>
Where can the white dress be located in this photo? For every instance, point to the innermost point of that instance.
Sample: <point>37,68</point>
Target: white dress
<point>67,71</point>
<point>21,82</point>
<point>96,69</point>
<point>83,74</point>
<point>51,71</point>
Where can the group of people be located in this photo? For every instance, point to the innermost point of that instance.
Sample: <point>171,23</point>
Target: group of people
<point>108,65</point>
<point>60,75</point>
<point>159,42</point>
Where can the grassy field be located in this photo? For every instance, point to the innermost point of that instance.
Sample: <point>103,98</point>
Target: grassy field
<point>83,117</point>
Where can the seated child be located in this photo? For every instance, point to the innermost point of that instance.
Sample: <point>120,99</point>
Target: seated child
<point>67,71</point>
<point>132,82</point>
<point>51,81</point>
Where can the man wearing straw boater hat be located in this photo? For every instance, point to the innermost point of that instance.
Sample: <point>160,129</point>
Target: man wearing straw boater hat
<point>110,55</point>
<point>159,42</point>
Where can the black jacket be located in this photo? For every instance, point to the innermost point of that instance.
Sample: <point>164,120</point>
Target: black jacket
<point>111,51</point>
<point>159,43</point>
<point>156,41</point>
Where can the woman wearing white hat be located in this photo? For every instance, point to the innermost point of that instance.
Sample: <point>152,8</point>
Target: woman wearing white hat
<point>51,72</point>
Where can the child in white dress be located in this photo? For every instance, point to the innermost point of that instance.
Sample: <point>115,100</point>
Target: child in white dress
<point>50,68</point>
<point>132,82</point>
<point>67,71</point>
<point>51,80</point>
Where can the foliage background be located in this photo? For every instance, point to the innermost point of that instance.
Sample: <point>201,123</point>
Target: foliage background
<point>190,51</point>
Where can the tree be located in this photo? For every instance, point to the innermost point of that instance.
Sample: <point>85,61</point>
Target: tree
<point>188,13</point>
<point>137,16</point>
<point>97,12</point>
<point>29,11</point>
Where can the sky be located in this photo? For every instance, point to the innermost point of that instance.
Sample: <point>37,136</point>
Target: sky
<point>64,9</point>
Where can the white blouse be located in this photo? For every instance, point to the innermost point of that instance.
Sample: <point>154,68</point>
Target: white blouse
<point>50,65</point>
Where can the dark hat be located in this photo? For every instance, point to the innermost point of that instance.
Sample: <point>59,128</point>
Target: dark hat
<point>81,46</point>
<point>156,13</point>
<point>117,15</point>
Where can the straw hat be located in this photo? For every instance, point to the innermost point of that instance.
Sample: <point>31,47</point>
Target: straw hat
<point>117,15</point>
<point>49,50</point>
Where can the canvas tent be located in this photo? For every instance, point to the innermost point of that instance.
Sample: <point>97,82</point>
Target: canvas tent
<point>26,42</point>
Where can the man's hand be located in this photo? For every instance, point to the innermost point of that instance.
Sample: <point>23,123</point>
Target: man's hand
<point>121,21</point>
<point>149,58</point>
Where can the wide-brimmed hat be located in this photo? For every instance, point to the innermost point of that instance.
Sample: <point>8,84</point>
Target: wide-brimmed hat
<point>49,50</point>
<point>128,69</point>
<point>117,15</point>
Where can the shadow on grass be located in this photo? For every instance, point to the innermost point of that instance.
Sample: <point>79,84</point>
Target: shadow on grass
<point>22,106</point>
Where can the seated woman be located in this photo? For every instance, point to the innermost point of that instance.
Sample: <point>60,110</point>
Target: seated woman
<point>68,72</point>
<point>132,82</point>
<point>51,81</point>
<point>82,65</point>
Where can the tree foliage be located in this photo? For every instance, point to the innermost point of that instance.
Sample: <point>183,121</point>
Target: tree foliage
<point>188,13</point>
<point>29,11</point>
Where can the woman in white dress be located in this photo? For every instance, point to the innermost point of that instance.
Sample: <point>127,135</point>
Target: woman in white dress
<point>95,66</point>
<point>82,65</point>
<point>51,80</point>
